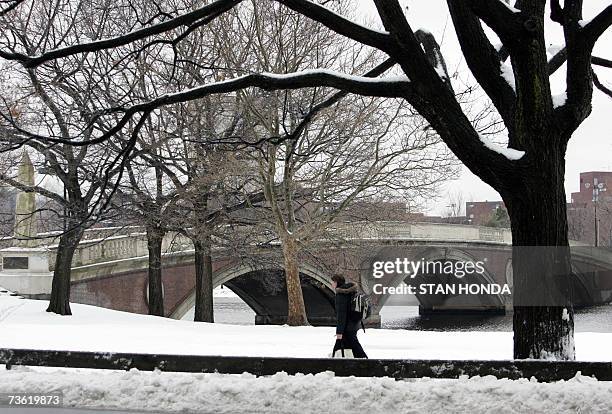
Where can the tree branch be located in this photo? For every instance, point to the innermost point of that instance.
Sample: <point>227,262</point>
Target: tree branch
<point>556,12</point>
<point>559,59</point>
<point>503,19</point>
<point>217,7</point>
<point>601,62</point>
<point>579,78</point>
<point>601,86</point>
<point>380,87</point>
<point>596,27</point>
<point>340,24</point>
<point>390,87</point>
<point>12,4</point>
<point>32,189</point>
<point>335,98</point>
<point>482,59</point>
<point>437,103</point>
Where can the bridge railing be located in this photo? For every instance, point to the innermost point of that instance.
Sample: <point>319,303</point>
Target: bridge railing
<point>52,237</point>
<point>102,245</point>
<point>119,247</point>
<point>421,231</point>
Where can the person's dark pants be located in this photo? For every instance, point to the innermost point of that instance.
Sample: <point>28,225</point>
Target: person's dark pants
<point>350,341</point>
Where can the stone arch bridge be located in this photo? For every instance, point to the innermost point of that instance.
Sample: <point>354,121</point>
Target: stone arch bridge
<point>110,270</point>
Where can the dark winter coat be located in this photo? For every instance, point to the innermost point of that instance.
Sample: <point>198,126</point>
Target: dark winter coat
<point>344,294</point>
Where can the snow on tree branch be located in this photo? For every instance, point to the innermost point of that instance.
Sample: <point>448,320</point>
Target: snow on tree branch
<point>501,17</point>
<point>510,153</point>
<point>510,7</point>
<point>361,85</point>
<point>392,87</point>
<point>211,10</point>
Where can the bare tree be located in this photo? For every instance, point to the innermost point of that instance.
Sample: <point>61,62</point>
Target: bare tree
<point>59,100</point>
<point>147,198</point>
<point>359,150</point>
<point>217,186</point>
<point>538,127</point>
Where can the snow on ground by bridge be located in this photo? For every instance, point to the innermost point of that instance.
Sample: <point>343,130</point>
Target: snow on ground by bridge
<point>25,324</point>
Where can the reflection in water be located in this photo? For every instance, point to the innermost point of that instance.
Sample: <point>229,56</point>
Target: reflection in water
<point>595,319</point>
<point>232,310</point>
<point>407,317</point>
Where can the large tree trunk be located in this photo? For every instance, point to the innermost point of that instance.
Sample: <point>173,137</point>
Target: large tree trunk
<point>204,281</point>
<point>155,237</point>
<point>60,287</point>
<point>296,312</point>
<point>543,312</point>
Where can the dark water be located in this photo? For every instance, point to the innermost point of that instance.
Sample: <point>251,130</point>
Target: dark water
<point>597,319</point>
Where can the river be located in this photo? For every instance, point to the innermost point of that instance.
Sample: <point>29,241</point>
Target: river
<point>233,310</point>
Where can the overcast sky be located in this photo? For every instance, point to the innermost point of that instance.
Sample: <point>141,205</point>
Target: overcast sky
<point>591,146</point>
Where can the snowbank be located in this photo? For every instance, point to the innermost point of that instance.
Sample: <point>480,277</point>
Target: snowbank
<point>321,393</point>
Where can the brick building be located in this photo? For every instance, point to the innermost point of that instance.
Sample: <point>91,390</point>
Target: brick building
<point>590,181</point>
<point>584,215</point>
<point>479,213</point>
<point>581,212</point>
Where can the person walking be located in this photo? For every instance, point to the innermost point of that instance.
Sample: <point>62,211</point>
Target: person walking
<point>346,327</point>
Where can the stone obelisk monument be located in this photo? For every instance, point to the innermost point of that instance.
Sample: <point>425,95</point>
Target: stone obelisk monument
<point>25,219</point>
<point>25,265</point>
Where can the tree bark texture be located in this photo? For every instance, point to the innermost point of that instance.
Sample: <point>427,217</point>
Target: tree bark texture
<point>204,281</point>
<point>156,295</point>
<point>296,312</point>
<point>60,287</point>
<point>543,316</point>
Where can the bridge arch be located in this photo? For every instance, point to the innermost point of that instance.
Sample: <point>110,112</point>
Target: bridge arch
<point>266,293</point>
<point>583,285</point>
<point>583,282</point>
<point>494,302</point>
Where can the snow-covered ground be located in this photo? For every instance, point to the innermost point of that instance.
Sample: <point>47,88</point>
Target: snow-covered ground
<point>25,324</point>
